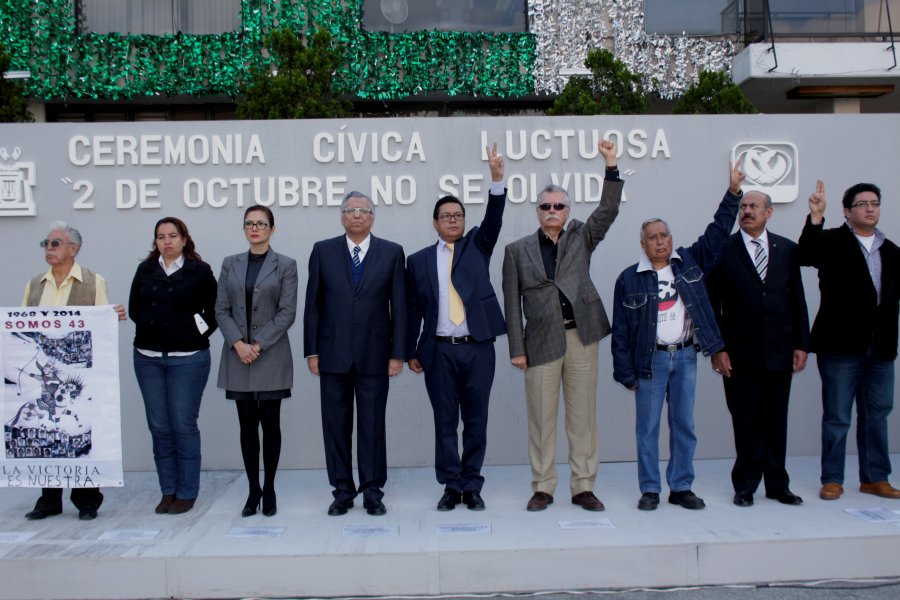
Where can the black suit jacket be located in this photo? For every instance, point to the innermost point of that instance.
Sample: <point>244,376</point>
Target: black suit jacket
<point>347,325</point>
<point>850,318</point>
<point>762,323</point>
<point>471,278</point>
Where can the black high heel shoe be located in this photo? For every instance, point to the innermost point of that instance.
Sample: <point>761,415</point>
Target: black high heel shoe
<point>269,507</point>
<point>252,504</point>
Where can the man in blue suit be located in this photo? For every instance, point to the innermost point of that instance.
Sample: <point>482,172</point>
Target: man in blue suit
<point>452,302</point>
<point>354,339</point>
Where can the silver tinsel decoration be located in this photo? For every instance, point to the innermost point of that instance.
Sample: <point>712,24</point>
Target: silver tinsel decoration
<point>566,30</point>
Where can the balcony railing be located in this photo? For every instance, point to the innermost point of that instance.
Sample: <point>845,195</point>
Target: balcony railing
<point>757,20</point>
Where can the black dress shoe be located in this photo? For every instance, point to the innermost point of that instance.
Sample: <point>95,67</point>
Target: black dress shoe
<point>339,507</point>
<point>648,501</point>
<point>42,512</point>
<point>88,513</point>
<point>269,504</point>
<point>785,497</point>
<point>743,499</point>
<point>473,500</point>
<point>374,507</point>
<point>687,499</point>
<point>252,503</point>
<point>449,500</point>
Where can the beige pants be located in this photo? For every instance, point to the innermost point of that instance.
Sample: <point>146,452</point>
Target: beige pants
<point>577,372</point>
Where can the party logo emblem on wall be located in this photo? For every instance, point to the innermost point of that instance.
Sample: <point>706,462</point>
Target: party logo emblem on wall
<point>16,183</point>
<point>769,167</point>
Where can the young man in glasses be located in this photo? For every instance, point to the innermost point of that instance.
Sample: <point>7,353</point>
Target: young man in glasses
<point>66,283</point>
<point>854,335</point>
<point>662,316</point>
<point>453,304</point>
<point>354,339</point>
<point>546,277</point>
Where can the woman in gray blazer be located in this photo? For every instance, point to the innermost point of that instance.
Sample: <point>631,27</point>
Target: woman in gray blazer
<point>255,306</point>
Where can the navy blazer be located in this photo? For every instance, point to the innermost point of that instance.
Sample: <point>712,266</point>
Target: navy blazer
<point>355,326</point>
<point>471,278</point>
<point>762,323</point>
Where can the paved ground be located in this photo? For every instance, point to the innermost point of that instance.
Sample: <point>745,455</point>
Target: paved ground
<point>873,589</point>
<point>870,589</point>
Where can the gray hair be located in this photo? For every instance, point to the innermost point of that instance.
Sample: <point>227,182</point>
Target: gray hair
<point>74,234</point>
<point>355,194</point>
<point>551,188</point>
<point>650,222</point>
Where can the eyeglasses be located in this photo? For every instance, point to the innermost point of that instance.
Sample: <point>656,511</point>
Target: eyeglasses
<point>263,225</point>
<point>661,236</point>
<point>54,243</point>
<point>448,217</point>
<point>866,204</point>
<point>358,211</point>
<point>557,206</point>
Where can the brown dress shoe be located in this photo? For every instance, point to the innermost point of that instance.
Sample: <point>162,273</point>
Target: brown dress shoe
<point>831,491</point>
<point>180,505</point>
<point>539,501</point>
<point>880,488</point>
<point>588,501</point>
<point>164,504</point>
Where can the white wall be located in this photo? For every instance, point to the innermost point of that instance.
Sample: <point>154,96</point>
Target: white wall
<point>682,181</point>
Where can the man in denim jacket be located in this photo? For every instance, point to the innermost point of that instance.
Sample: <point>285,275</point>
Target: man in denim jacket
<point>661,317</point>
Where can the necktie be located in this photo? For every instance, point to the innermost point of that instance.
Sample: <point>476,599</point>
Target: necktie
<point>457,311</point>
<point>356,250</point>
<point>760,260</point>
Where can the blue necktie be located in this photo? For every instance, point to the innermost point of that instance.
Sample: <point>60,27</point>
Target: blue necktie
<point>356,261</point>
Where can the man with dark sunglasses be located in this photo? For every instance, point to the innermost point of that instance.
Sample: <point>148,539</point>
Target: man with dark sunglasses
<point>66,283</point>
<point>546,277</point>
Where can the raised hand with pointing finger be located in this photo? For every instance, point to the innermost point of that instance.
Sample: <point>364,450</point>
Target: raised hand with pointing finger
<point>817,203</point>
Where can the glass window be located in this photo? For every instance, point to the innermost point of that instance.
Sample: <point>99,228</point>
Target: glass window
<point>693,17</point>
<point>158,16</point>
<point>398,16</point>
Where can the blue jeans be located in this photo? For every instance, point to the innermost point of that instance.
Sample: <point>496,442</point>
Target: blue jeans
<point>674,377</point>
<point>871,383</point>
<point>172,387</point>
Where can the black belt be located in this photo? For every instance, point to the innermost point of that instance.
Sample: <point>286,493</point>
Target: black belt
<point>449,339</point>
<point>570,324</point>
<point>675,347</point>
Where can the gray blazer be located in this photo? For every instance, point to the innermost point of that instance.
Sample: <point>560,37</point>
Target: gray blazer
<point>526,288</point>
<point>274,309</point>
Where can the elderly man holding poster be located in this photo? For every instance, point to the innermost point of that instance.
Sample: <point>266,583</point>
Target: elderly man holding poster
<point>66,283</point>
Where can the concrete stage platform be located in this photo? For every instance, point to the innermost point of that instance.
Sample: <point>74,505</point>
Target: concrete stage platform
<point>415,550</point>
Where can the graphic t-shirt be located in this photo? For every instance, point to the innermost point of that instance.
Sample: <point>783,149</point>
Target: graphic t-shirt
<point>673,324</point>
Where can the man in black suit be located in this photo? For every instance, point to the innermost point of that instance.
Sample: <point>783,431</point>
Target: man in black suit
<point>758,299</point>
<point>354,339</point>
<point>449,290</point>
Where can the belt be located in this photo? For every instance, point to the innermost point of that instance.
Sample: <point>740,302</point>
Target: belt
<point>675,347</point>
<point>570,324</point>
<point>449,339</point>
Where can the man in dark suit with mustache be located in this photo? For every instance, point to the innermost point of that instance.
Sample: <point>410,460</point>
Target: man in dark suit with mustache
<point>757,296</point>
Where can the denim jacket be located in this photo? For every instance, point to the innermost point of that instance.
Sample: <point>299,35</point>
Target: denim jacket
<point>636,302</point>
